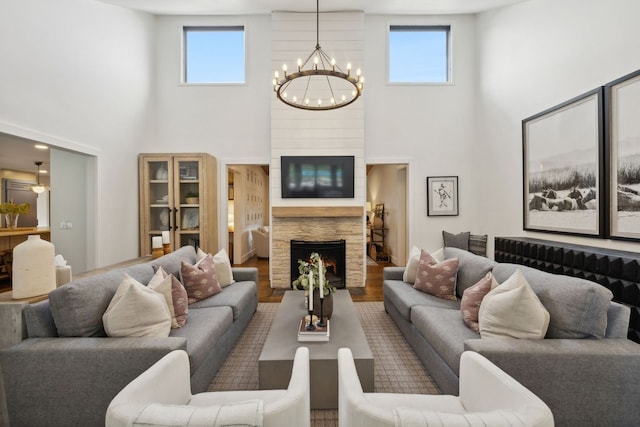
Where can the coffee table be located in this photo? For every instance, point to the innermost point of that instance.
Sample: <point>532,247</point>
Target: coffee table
<point>276,359</point>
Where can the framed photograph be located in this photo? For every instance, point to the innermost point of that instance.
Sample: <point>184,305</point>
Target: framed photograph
<point>622,98</point>
<point>442,195</point>
<point>563,168</point>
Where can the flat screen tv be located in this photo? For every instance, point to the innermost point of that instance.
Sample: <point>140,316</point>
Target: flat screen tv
<point>317,176</point>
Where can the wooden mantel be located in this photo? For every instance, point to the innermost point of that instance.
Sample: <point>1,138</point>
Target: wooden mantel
<point>317,211</point>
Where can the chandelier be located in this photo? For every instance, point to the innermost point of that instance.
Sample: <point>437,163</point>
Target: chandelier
<point>319,83</point>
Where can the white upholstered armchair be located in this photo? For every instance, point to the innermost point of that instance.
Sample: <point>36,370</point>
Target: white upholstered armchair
<point>261,241</point>
<point>161,396</point>
<point>488,397</point>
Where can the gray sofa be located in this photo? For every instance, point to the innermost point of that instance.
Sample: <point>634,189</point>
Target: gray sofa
<point>67,371</point>
<point>585,369</point>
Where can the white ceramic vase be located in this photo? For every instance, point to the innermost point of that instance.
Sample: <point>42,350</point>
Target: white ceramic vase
<point>34,270</point>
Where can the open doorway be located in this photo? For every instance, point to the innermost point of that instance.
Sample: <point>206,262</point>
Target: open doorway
<point>387,211</point>
<point>247,211</point>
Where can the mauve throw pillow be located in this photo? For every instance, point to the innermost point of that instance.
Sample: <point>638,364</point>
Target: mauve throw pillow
<point>437,278</point>
<point>200,280</point>
<point>471,299</point>
<point>180,301</point>
<point>162,284</point>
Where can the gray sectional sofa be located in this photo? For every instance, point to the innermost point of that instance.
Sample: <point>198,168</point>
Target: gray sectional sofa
<point>67,371</point>
<point>585,369</point>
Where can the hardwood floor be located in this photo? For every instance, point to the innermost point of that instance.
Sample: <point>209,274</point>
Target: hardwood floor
<point>371,292</point>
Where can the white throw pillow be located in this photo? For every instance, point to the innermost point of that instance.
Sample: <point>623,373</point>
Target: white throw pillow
<point>513,310</point>
<point>411,269</point>
<point>161,283</point>
<point>136,311</point>
<point>222,265</point>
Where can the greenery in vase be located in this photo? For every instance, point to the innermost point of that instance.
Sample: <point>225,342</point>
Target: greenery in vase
<point>312,265</point>
<point>11,208</point>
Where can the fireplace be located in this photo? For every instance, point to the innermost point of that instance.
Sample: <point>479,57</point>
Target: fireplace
<point>333,254</point>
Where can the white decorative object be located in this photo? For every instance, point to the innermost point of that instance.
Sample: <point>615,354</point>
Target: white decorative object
<point>156,242</point>
<point>165,237</point>
<point>162,174</point>
<point>164,218</point>
<point>34,269</point>
<point>310,291</point>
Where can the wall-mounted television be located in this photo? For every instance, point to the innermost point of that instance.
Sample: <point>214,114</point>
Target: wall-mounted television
<point>317,176</point>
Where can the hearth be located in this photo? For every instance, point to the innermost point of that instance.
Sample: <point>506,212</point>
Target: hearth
<point>333,254</point>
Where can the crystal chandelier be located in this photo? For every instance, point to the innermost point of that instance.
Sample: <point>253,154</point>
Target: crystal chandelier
<point>319,83</point>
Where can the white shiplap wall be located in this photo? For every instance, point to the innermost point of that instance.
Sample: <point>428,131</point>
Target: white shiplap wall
<point>316,133</point>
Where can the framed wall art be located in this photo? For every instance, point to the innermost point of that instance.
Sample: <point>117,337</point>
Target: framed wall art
<point>622,104</point>
<point>563,168</point>
<point>442,195</point>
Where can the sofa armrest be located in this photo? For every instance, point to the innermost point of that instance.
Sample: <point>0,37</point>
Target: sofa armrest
<point>242,274</point>
<point>74,379</point>
<point>392,273</point>
<point>584,381</point>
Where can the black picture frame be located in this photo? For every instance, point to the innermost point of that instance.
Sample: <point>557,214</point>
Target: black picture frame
<point>622,157</point>
<point>563,168</point>
<point>442,196</point>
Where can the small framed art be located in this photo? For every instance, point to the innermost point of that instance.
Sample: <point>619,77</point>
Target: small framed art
<point>442,196</point>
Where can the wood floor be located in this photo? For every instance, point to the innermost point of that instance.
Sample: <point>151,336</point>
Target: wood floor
<point>371,292</point>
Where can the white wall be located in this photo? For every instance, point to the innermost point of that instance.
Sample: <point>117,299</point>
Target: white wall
<point>228,121</point>
<point>430,127</point>
<point>533,56</point>
<point>79,74</point>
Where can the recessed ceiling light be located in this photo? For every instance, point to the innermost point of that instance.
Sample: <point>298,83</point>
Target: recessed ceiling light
<point>41,147</point>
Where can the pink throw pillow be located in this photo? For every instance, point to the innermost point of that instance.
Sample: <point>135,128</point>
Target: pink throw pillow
<point>200,280</point>
<point>180,300</point>
<point>437,278</point>
<point>471,299</point>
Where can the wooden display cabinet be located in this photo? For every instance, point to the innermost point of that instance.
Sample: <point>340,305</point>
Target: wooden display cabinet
<point>178,193</point>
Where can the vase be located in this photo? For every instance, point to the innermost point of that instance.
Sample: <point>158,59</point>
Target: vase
<point>34,269</point>
<point>11,220</point>
<point>327,308</point>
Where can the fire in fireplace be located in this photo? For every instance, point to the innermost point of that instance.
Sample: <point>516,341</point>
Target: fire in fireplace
<point>332,252</point>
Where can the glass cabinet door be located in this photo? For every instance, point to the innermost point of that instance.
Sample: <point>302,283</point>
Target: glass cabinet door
<point>158,199</point>
<point>188,190</point>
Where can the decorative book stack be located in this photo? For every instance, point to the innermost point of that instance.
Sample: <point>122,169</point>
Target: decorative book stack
<point>318,333</point>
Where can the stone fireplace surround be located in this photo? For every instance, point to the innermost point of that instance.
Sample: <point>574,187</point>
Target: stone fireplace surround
<point>317,223</point>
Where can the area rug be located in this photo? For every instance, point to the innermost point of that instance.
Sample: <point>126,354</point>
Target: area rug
<point>397,369</point>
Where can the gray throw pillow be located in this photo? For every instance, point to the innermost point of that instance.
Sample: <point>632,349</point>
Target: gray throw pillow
<point>478,244</point>
<point>460,240</point>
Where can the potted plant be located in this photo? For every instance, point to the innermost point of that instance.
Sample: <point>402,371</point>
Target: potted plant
<point>12,211</point>
<point>312,265</point>
<point>192,198</point>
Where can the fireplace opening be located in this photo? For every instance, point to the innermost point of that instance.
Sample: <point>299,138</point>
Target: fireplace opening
<point>333,254</point>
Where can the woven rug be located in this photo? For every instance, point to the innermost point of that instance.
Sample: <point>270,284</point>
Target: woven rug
<point>397,369</point>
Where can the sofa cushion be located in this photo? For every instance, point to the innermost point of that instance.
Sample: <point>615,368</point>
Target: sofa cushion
<point>180,301</point>
<point>513,310</point>
<point>471,299</point>
<point>460,240</point>
<point>161,283</point>
<point>471,268</point>
<point>205,328</point>
<point>240,296</point>
<point>411,269</point>
<point>137,311</point>
<point>77,307</point>
<point>444,329</point>
<point>578,307</point>
<point>200,280</point>
<point>222,264</point>
<point>478,244</point>
<point>437,278</point>
<point>403,296</point>
<point>170,263</point>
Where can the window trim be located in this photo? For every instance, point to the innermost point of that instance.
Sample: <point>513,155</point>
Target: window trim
<point>208,27</point>
<point>414,27</point>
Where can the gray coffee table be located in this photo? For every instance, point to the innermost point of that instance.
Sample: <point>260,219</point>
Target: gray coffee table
<point>276,360</point>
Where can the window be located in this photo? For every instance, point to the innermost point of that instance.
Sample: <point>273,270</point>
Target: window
<point>419,54</point>
<point>214,54</point>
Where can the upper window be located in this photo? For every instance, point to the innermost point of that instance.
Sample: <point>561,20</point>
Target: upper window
<point>214,54</point>
<point>419,54</point>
